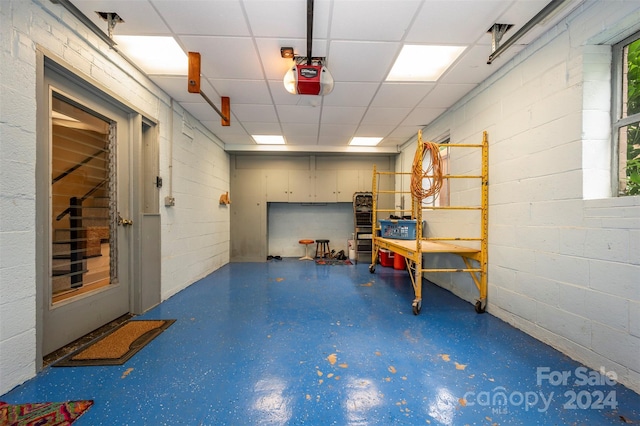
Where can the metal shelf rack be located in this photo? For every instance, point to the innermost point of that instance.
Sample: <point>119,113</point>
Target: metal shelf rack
<point>474,258</point>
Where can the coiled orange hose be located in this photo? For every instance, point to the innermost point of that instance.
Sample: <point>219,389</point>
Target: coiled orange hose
<point>433,171</point>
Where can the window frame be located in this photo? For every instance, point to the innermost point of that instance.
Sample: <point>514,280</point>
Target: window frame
<point>618,122</point>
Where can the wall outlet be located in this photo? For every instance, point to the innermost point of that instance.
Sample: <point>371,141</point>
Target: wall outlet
<point>169,201</point>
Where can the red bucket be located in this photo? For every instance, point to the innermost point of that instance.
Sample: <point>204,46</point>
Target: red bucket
<point>386,257</point>
<point>398,262</point>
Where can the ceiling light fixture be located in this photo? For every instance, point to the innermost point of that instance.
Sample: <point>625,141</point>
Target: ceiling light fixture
<point>268,139</point>
<point>154,55</point>
<point>423,62</point>
<point>364,141</point>
<point>287,52</point>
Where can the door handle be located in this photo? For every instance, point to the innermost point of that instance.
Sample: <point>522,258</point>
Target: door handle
<point>124,222</point>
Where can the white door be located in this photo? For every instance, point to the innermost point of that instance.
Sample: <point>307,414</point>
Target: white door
<point>88,230</point>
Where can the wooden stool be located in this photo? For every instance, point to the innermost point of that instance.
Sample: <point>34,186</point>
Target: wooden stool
<point>306,249</point>
<point>322,248</point>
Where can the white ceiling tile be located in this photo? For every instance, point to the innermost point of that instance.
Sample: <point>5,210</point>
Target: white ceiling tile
<point>225,57</point>
<point>361,61</point>
<point>380,20</point>
<point>243,91</point>
<point>300,129</point>
<point>377,130</point>
<point>401,94</point>
<point>281,96</point>
<point>239,140</point>
<point>222,18</point>
<point>176,87</point>
<point>445,95</point>
<point>262,128</point>
<point>422,116</point>
<point>201,111</point>
<point>259,113</point>
<point>286,18</point>
<point>404,132</point>
<point>298,114</point>
<point>459,22</point>
<point>471,67</point>
<point>138,16</point>
<point>385,115</point>
<point>234,129</point>
<point>342,115</point>
<point>351,94</point>
<point>336,134</point>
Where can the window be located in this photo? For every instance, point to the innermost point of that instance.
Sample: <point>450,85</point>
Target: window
<point>626,119</point>
<point>442,198</point>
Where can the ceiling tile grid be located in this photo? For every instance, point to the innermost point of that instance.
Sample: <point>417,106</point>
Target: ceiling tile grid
<point>240,40</point>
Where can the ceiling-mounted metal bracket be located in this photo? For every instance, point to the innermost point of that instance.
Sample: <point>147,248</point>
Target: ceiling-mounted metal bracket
<point>193,86</point>
<point>315,60</point>
<point>548,11</point>
<point>497,31</point>
<point>112,19</point>
<point>86,21</point>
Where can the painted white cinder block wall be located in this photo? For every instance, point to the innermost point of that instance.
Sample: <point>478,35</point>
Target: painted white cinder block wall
<point>195,233</point>
<point>564,257</point>
<point>288,223</point>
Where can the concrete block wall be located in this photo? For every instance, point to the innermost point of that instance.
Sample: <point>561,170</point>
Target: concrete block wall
<point>290,222</point>
<point>195,232</point>
<point>563,253</point>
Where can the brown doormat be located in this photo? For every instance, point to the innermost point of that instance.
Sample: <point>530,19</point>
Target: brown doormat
<point>117,346</point>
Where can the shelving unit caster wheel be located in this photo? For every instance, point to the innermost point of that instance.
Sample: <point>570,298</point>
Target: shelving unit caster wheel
<point>480,307</point>
<point>416,306</point>
<point>372,268</point>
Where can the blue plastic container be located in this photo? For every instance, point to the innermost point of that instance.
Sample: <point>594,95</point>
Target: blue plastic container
<point>398,229</point>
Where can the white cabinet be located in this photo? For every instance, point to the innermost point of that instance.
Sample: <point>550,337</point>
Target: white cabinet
<point>277,185</point>
<point>347,184</point>
<point>301,189</point>
<point>325,186</point>
<point>289,186</point>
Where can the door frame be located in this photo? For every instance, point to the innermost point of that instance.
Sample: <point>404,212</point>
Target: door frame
<point>47,59</point>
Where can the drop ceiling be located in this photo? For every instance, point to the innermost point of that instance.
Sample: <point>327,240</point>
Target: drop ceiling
<point>240,40</point>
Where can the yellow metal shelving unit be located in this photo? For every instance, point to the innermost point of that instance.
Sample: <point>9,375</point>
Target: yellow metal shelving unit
<point>475,259</point>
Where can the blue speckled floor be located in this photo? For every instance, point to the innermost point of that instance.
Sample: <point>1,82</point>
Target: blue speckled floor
<point>290,342</point>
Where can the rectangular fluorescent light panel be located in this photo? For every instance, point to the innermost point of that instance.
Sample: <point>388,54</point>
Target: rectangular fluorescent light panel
<point>364,141</point>
<point>154,55</point>
<point>268,139</point>
<point>423,63</point>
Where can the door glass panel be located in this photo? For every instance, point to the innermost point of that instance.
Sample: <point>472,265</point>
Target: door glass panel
<point>82,231</point>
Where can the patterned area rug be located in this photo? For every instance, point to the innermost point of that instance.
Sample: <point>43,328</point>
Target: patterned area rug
<point>117,346</point>
<point>42,414</point>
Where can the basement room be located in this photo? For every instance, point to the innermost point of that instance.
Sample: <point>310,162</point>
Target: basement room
<point>322,212</point>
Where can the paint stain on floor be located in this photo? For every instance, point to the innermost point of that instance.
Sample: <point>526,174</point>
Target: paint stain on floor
<point>314,326</point>
<point>126,373</point>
